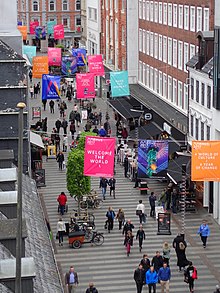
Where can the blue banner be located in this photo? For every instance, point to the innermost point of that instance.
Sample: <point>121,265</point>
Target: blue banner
<point>50,25</point>
<point>30,51</point>
<point>50,87</point>
<point>119,84</point>
<point>80,54</point>
<point>69,65</point>
<point>40,32</point>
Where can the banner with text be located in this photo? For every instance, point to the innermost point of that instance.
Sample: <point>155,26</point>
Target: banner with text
<point>50,87</point>
<point>23,31</point>
<point>152,157</point>
<point>30,51</point>
<point>40,32</point>
<point>40,66</point>
<point>119,83</point>
<point>95,63</point>
<point>205,165</point>
<point>85,85</point>
<point>99,156</point>
<point>33,25</point>
<point>50,27</point>
<point>58,32</point>
<point>69,65</point>
<point>80,54</point>
<point>54,56</point>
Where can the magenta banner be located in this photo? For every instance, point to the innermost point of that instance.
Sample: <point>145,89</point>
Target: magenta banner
<point>58,32</point>
<point>85,85</point>
<point>99,156</point>
<point>33,25</point>
<point>54,56</point>
<point>96,65</point>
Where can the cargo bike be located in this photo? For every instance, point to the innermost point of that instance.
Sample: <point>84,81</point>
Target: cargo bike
<point>77,238</point>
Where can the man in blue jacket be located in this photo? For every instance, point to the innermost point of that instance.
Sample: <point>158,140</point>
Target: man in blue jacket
<point>164,276</point>
<point>204,232</point>
<point>151,279</point>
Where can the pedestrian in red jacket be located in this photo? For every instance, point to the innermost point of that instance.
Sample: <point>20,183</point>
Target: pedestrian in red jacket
<point>62,199</point>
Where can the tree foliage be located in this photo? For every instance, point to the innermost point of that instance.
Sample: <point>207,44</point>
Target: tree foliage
<point>82,140</point>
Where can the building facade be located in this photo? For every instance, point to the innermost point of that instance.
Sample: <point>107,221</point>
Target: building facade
<point>83,40</point>
<point>66,12</point>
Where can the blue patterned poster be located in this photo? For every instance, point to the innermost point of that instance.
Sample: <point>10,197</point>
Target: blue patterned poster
<point>80,54</point>
<point>119,84</point>
<point>69,65</point>
<point>40,32</point>
<point>30,51</point>
<point>50,87</point>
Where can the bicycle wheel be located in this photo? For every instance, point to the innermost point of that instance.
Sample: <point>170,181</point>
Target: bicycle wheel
<point>98,203</point>
<point>91,217</point>
<point>98,239</point>
<point>88,235</point>
<point>83,205</point>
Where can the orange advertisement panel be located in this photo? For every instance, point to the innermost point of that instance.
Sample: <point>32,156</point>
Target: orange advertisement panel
<point>205,161</point>
<point>40,66</point>
<point>23,31</point>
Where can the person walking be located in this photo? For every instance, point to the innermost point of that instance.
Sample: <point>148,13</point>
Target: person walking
<point>164,276</point>
<point>103,184</point>
<point>58,125</point>
<point>140,236</point>
<point>204,232</point>
<point>71,280</point>
<point>31,90</point>
<point>111,183</point>
<point>157,261</point>
<point>151,278</point>
<point>217,289</point>
<point>120,217</point>
<point>30,75</point>
<point>72,128</point>
<point>166,253</point>
<point>62,199</point>
<point>139,277</point>
<point>60,160</point>
<point>91,289</point>
<point>110,215</point>
<point>191,274</point>
<point>152,200</point>
<point>162,199</point>
<point>127,227</point>
<point>64,125</point>
<point>35,91</point>
<point>102,132</point>
<point>126,165</point>
<point>179,244</point>
<point>78,118</point>
<point>145,263</point>
<point>128,242</point>
<point>174,196</point>
<point>65,143</point>
<point>61,229</point>
<point>44,102</point>
<point>51,104</point>
<point>140,211</point>
<point>57,142</point>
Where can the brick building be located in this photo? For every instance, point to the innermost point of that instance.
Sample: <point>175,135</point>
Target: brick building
<point>66,12</point>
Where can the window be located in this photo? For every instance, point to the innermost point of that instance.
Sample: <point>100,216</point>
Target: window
<point>202,130</point>
<point>152,44</point>
<point>164,49</point>
<point>140,40</point>
<point>106,4</point>
<point>144,41</point>
<point>35,6</point>
<point>197,91</point>
<point>147,10</point>
<point>123,5</point>
<point>148,43</point>
<point>52,5</point>
<point>186,17</point>
<point>160,82</point>
<point>160,12</point>
<point>180,16</point>
<point>65,22</point>
<point>208,132</point>
<point>180,94</point>
<point>175,53</point>
<point>144,8</point>
<point>78,20</point>
<point>197,129</point>
<point>116,5</point>
<point>65,5</point>
<point>122,35</point>
<point>155,46</point>
<point>78,5</point>
<point>156,12</point>
<point>170,89</point>
<point>140,9</point>
<point>206,19</point>
<point>90,13</point>
<point>199,19</point>
<point>174,91</point>
<point>95,14</point>
<point>174,15</point>
<point>155,80</point>
<point>151,77</point>
<point>164,13</point>
<point>192,18</point>
<point>160,47</point>
<point>170,47</point>
<point>192,51</point>
<point>151,11</point>
<point>208,97</point>
<point>180,55</point>
<point>144,71</point>
<point>165,85</point>
<point>186,96</point>
<point>203,94</point>
<point>186,55</point>
<point>140,71</point>
<point>148,76</point>
<point>192,125</point>
<point>170,14</point>
<point>192,88</point>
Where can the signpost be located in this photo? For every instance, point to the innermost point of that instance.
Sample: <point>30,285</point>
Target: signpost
<point>163,224</point>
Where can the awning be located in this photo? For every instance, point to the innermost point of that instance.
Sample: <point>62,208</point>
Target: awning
<point>36,140</point>
<point>149,131</point>
<point>123,107</point>
<point>174,171</point>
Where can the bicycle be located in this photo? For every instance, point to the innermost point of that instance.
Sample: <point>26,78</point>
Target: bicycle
<point>84,216</point>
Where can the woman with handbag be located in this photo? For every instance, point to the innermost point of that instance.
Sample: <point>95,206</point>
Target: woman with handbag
<point>120,217</point>
<point>191,275</point>
<point>128,242</point>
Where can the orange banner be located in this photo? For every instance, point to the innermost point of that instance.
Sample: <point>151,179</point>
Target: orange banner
<point>40,66</point>
<point>205,161</point>
<point>23,31</point>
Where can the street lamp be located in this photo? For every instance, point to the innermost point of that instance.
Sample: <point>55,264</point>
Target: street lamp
<point>18,288</point>
<point>183,199</point>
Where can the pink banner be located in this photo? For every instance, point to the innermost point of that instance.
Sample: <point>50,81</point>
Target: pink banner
<point>33,25</point>
<point>96,65</point>
<point>58,32</point>
<point>99,156</point>
<point>54,56</point>
<point>85,85</point>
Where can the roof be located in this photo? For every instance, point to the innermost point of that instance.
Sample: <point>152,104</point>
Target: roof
<point>8,229</point>
<point>208,67</point>
<point>174,171</point>
<point>149,131</point>
<point>205,34</point>
<point>8,197</point>
<point>123,107</point>
<point>8,54</point>
<point>193,61</point>
<point>36,140</point>
<point>8,174</point>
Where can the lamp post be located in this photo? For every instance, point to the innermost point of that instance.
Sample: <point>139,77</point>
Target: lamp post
<point>183,199</point>
<point>18,288</point>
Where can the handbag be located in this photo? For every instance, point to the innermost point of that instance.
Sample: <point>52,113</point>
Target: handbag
<point>194,274</point>
<point>138,212</point>
<point>186,279</point>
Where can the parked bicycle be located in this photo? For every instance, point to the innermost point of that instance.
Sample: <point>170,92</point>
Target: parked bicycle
<point>76,239</point>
